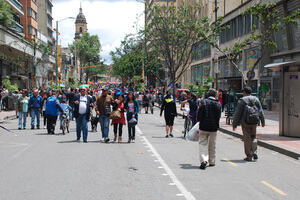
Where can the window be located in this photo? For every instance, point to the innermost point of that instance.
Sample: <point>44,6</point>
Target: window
<point>199,72</point>
<point>31,13</point>
<point>80,29</point>
<point>29,29</point>
<point>296,33</point>
<point>200,51</point>
<point>238,26</point>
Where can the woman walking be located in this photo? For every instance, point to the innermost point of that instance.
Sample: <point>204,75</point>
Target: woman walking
<point>132,108</point>
<point>169,106</point>
<point>118,123</point>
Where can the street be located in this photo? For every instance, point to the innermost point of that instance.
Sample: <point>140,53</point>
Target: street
<point>37,166</point>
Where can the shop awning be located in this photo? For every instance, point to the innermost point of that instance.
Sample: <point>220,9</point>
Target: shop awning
<point>278,66</point>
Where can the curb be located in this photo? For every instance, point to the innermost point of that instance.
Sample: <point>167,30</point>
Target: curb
<point>266,145</point>
<point>8,118</point>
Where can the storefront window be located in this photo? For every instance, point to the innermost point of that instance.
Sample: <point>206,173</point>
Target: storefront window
<point>199,72</point>
<point>281,40</point>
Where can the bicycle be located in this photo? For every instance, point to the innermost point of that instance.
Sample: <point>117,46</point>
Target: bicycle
<point>187,122</point>
<point>65,124</point>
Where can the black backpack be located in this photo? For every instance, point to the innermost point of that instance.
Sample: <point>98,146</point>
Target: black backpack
<point>251,114</point>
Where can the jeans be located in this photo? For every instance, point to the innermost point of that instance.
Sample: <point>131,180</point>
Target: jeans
<point>22,116</point>
<point>131,132</point>
<point>51,122</point>
<point>82,125</point>
<point>35,113</point>
<point>71,113</point>
<point>45,118</point>
<point>104,123</point>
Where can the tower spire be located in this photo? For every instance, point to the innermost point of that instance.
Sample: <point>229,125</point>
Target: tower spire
<point>80,9</point>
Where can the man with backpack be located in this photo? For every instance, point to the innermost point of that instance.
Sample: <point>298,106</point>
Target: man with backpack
<point>249,114</point>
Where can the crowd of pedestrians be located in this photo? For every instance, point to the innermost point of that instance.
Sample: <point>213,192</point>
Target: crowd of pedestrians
<point>119,106</point>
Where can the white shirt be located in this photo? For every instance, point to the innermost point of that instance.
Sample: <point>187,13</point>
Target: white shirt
<point>82,104</point>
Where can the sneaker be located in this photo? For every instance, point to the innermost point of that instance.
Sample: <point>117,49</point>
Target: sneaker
<point>106,140</point>
<point>78,139</point>
<point>45,127</point>
<point>212,164</point>
<point>167,136</point>
<point>37,127</point>
<point>171,135</point>
<point>255,156</point>
<point>24,127</point>
<point>129,141</point>
<point>19,128</point>
<point>102,140</point>
<point>203,165</point>
<point>248,159</point>
<point>84,141</point>
<point>119,139</point>
<point>32,127</point>
<point>132,140</point>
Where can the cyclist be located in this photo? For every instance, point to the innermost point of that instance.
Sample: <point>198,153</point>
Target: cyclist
<point>193,104</point>
<point>66,111</point>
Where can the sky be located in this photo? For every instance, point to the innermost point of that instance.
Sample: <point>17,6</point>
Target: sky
<point>111,20</point>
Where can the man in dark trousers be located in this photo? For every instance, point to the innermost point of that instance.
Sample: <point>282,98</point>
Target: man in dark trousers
<point>248,114</point>
<point>82,104</point>
<point>209,115</point>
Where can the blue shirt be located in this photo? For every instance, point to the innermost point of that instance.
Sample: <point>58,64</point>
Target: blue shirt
<point>35,102</point>
<point>52,106</point>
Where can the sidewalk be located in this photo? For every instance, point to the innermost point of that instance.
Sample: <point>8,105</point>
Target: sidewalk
<point>5,115</point>
<point>268,136</point>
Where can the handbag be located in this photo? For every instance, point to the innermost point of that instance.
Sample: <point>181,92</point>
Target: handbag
<point>132,122</point>
<point>116,114</point>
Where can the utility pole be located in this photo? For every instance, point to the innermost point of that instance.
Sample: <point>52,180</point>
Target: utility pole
<point>216,24</point>
<point>56,62</point>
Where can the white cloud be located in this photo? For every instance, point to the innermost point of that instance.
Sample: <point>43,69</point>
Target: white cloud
<point>110,20</point>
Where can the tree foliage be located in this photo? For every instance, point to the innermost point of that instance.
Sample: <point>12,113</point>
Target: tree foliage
<point>88,50</point>
<point>127,59</point>
<point>6,14</point>
<point>172,32</point>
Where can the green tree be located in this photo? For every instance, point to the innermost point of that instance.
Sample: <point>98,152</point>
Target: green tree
<point>88,50</point>
<point>6,14</point>
<point>261,35</point>
<point>171,32</point>
<point>127,59</point>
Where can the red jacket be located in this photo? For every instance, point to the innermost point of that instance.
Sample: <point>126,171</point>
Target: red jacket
<point>122,119</point>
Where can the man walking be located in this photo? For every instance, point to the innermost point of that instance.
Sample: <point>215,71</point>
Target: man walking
<point>248,114</point>
<point>35,105</point>
<point>103,109</point>
<point>52,107</point>
<point>82,104</point>
<point>209,115</point>
<point>22,108</point>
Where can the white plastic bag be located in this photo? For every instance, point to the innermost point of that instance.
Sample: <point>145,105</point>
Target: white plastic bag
<point>193,134</point>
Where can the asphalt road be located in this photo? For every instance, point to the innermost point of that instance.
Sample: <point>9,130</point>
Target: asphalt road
<point>37,166</point>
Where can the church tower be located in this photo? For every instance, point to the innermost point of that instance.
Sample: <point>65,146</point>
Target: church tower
<point>81,25</point>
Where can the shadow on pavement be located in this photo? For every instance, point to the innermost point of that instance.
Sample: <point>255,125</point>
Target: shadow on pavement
<point>235,161</point>
<point>68,141</point>
<point>188,166</point>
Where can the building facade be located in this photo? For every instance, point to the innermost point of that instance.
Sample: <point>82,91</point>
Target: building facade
<point>45,22</point>
<point>29,19</point>
<point>80,24</point>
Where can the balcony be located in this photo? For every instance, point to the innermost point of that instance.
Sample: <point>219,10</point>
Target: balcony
<point>49,13</point>
<point>18,27</point>
<point>49,26</point>
<point>16,5</point>
<point>50,1</point>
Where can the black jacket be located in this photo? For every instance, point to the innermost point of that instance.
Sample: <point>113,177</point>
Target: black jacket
<point>209,115</point>
<point>169,107</point>
<point>76,106</point>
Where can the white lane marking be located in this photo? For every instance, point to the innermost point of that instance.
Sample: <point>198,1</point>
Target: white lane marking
<point>180,186</point>
<point>160,167</point>
<point>179,195</point>
<point>172,184</point>
<point>156,160</point>
<point>165,174</point>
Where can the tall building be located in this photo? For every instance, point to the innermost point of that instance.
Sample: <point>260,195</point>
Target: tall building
<point>45,19</point>
<point>18,11</point>
<point>29,19</point>
<point>80,24</point>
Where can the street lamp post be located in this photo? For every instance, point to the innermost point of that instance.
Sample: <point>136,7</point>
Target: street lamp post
<point>56,43</point>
